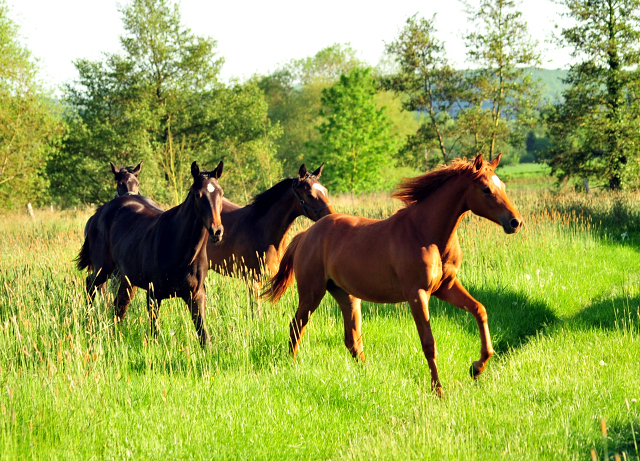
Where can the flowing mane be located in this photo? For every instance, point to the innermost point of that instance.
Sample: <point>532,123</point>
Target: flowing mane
<point>263,201</point>
<point>413,190</point>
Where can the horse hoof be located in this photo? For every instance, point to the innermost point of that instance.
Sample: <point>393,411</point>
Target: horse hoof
<point>474,372</point>
<point>439,392</point>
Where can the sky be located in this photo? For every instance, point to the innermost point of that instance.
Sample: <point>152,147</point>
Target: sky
<point>257,36</point>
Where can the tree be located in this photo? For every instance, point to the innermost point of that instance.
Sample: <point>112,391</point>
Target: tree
<point>30,122</point>
<point>160,101</point>
<point>294,95</point>
<point>431,86</point>
<point>594,129</point>
<point>355,141</point>
<point>500,94</point>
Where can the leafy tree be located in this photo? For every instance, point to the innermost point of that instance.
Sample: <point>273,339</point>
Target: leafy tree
<point>160,101</point>
<point>355,140</point>
<point>294,95</point>
<point>431,86</point>
<point>594,129</point>
<point>30,123</point>
<point>500,94</point>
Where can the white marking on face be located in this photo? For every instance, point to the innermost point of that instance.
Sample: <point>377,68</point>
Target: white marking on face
<point>210,187</point>
<point>320,188</point>
<point>497,181</point>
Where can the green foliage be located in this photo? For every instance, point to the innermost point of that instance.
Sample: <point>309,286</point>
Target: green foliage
<point>594,129</point>
<point>430,85</point>
<point>294,95</point>
<point>160,101</point>
<point>30,125</point>
<point>501,95</point>
<point>355,140</point>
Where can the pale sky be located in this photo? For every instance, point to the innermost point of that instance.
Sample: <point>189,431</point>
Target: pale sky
<point>256,36</point>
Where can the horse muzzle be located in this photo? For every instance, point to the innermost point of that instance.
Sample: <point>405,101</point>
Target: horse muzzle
<point>215,233</point>
<point>512,225</point>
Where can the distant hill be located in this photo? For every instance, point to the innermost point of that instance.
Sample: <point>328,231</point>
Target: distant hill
<point>551,81</point>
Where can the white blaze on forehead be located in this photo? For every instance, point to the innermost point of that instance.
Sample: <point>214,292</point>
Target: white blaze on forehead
<point>497,181</point>
<point>320,188</point>
<point>210,187</point>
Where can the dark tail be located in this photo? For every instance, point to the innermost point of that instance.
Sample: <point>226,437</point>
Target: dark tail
<point>83,259</point>
<point>278,284</point>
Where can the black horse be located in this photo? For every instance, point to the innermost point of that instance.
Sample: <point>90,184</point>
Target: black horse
<point>163,252</point>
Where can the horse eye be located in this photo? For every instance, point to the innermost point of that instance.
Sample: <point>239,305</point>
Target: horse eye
<point>309,194</point>
<point>486,190</point>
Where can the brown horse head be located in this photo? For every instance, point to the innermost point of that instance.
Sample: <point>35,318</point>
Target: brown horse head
<point>487,196</point>
<point>126,179</point>
<point>313,197</point>
<point>208,198</point>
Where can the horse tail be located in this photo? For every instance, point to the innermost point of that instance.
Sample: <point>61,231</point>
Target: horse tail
<point>278,284</point>
<point>83,260</point>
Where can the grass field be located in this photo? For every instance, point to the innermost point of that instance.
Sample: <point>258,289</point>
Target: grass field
<point>563,299</point>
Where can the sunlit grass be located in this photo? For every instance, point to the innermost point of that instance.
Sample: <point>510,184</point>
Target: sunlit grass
<point>563,299</point>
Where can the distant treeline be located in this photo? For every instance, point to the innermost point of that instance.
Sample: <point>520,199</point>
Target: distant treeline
<point>160,100</point>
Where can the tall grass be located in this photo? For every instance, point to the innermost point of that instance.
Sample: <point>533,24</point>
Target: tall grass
<point>563,299</point>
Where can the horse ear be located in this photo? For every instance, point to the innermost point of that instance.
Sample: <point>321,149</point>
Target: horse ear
<point>136,170</point>
<point>113,168</point>
<point>218,171</point>
<point>302,173</point>
<point>494,163</point>
<point>477,164</point>
<point>195,170</point>
<point>318,172</point>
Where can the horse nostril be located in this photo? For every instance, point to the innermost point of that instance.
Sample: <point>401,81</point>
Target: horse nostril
<point>515,223</point>
<point>218,233</point>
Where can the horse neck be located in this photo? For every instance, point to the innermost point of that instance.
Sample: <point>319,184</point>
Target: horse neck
<point>278,220</point>
<point>440,214</point>
<point>189,232</point>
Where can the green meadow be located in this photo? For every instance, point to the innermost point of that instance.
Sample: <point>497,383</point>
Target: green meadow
<point>562,296</point>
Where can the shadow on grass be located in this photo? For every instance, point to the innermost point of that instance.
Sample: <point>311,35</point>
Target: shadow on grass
<point>513,317</point>
<point>622,312</point>
<point>622,437</point>
<point>615,218</point>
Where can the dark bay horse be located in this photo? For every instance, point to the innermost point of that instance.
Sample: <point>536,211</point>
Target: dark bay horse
<point>408,257</point>
<point>127,183</point>
<point>163,252</point>
<point>256,233</point>
<point>126,179</point>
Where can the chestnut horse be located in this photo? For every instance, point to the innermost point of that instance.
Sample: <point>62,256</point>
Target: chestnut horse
<point>163,252</point>
<point>256,233</point>
<point>408,257</point>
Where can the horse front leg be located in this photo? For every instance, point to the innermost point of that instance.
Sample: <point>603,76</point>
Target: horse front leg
<point>153,308</point>
<point>419,303</point>
<point>197,303</point>
<point>459,297</point>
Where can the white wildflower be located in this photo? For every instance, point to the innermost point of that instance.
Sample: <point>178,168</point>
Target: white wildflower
<point>602,363</point>
<point>527,276</point>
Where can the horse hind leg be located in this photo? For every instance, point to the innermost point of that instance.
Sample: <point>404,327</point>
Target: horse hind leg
<point>123,297</point>
<point>94,281</point>
<point>352,316</point>
<point>308,301</point>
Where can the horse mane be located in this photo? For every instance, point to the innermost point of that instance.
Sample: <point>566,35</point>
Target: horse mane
<point>263,201</point>
<point>413,190</point>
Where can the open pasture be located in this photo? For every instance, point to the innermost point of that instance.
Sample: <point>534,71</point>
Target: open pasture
<point>562,297</point>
